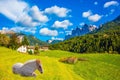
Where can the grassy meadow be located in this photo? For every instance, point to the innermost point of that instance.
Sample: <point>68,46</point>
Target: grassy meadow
<point>98,66</point>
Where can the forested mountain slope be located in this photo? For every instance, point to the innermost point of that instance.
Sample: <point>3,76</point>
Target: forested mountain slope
<point>105,39</point>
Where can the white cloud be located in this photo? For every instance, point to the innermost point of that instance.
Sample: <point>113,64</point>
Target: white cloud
<point>63,24</point>
<point>59,11</point>
<point>4,30</point>
<point>19,12</point>
<point>24,29</point>
<point>111,3</point>
<point>95,3</point>
<point>26,21</point>
<point>19,29</point>
<point>94,18</point>
<point>87,14</point>
<point>12,8</point>
<point>38,15</point>
<point>68,32</point>
<point>47,32</point>
<point>82,23</point>
<point>55,38</point>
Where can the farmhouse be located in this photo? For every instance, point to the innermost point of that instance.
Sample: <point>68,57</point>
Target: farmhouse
<point>44,48</point>
<point>25,49</point>
<point>22,49</point>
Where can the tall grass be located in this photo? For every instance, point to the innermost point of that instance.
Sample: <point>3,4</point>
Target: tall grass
<point>98,66</point>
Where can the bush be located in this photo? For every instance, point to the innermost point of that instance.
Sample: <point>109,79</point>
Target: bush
<point>30,52</point>
<point>36,51</point>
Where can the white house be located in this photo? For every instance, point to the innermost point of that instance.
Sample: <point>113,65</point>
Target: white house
<point>25,49</point>
<point>22,49</point>
<point>44,48</point>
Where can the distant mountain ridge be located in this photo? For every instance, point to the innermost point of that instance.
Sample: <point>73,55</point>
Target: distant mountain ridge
<point>81,31</point>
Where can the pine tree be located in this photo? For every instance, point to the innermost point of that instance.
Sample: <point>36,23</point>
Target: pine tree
<point>25,41</point>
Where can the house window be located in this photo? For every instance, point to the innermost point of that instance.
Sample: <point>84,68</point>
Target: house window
<point>23,49</point>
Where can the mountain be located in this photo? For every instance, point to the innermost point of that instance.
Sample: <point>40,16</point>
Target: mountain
<point>117,20</point>
<point>81,31</point>
<point>54,41</point>
<point>109,27</point>
<point>33,41</point>
<point>106,39</point>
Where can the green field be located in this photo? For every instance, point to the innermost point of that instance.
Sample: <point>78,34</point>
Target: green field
<point>98,66</point>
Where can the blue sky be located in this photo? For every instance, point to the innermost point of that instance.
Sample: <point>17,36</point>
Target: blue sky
<point>53,19</point>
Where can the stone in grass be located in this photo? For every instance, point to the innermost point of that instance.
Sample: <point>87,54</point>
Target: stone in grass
<point>70,60</point>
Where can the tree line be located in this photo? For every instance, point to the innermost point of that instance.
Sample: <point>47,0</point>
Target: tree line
<point>12,41</point>
<point>92,43</point>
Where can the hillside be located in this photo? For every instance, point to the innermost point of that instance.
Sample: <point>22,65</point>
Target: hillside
<point>105,39</point>
<point>33,41</point>
<point>107,69</point>
<point>109,27</point>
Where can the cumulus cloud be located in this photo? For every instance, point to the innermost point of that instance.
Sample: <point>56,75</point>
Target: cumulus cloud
<point>26,21</point>
<point>18,11</point>
<point>87,14</point>
<point>62,24</point>
<point>19,29</point>
<point>94,18</point>
<point>12,8</point>
<point>111,3</point>
<point>59,11</point>
<point>38,15</point>
<point>24,29</point>
<point>47,32</point>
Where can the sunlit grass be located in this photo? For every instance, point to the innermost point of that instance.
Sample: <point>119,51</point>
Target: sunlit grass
<point>98,66</point>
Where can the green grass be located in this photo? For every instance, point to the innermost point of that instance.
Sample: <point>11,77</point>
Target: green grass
<point>98,66</point>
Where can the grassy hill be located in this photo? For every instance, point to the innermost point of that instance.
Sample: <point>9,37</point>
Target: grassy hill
<point>98,66</point>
